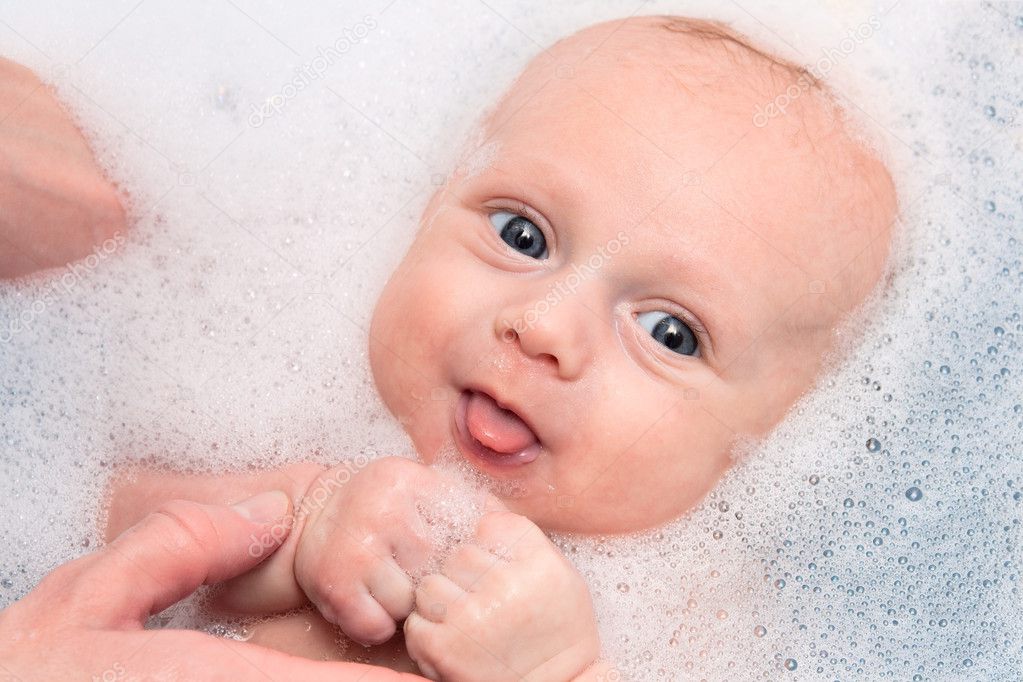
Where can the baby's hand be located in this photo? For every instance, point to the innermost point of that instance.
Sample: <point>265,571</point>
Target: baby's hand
<point>361,540</point>
<point>508,607</point>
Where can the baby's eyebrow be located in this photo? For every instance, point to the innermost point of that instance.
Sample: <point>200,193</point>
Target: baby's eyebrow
<point>697,280</point>
<point>689,269</point>
<point>559,189</point>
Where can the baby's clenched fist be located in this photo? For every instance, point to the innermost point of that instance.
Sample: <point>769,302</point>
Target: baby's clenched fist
<point>359,549</point>
<point>508,606</point>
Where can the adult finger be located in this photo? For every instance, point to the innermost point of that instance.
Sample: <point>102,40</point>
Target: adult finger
<point>264,663</point>
<point>147,654</point>
<point>179,547</point>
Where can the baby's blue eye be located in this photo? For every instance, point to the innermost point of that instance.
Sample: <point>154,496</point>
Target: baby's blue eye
<point>669,330</point>
<point>520,233</point>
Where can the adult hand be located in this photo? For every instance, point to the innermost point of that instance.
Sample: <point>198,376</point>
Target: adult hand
<point>55,204</point>
<point>84,620</point>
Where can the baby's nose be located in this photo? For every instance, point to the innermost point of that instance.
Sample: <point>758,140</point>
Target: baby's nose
<point>552,333</point>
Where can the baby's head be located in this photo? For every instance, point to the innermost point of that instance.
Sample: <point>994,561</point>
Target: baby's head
<point>644,273</point>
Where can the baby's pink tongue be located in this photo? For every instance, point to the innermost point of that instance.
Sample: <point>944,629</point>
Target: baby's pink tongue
<point>500,430</point>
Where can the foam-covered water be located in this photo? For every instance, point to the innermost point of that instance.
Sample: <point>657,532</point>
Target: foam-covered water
<point>275,160</point>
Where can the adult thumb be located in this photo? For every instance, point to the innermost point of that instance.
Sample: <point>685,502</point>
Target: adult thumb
<point>181,546</point>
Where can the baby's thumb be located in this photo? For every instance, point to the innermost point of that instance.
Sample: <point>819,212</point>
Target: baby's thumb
<point>269,587</point>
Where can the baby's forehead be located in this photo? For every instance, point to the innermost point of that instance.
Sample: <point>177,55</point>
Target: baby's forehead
<point>640,127</point>
<point>696,53</point>
<point>666,140</point>
<point>674,88</point>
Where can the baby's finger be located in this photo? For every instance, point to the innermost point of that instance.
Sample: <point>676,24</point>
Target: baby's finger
<point>413,548</point>
<point>360,616</point>
<point>391,587</point>
<point>467,565</point>
<point>434,596</point>
<point>421,638</point>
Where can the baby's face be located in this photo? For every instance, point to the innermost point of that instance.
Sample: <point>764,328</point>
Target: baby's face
<point>639,272</point>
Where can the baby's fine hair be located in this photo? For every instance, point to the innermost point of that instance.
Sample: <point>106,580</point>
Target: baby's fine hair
<point>711,32</point>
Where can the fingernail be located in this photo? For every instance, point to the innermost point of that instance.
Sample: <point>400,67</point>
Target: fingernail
<point>428,671</point>
<point>264,507</point>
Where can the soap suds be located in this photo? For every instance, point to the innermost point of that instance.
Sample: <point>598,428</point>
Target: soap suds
<point>874,534</point>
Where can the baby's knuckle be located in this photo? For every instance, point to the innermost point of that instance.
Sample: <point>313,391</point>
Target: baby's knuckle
<point>330,579</point>
<point>392,469</point>
<point>506,584</point>
<point>360,562</point>
<point>318,561</point>
<point>478,611</point>
<point>460,557</point>
<point>427,590</point>
<point>509,525</point>
<point>492,524</point>
<point>345,599</point>
<point>418,539</point>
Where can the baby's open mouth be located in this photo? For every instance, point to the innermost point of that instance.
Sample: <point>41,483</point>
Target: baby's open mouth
<point>491,433</point>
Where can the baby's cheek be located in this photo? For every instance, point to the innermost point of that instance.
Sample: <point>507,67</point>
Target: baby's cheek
<point>412,324</point>
<point>673,464</point>
<point>433,300</point>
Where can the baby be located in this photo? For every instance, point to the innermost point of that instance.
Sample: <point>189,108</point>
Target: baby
<point>630,275</point>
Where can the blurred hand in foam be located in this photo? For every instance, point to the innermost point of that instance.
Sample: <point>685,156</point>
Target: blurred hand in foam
<point>55,204</point>
<point>507,606</point>
<point>84,620</point>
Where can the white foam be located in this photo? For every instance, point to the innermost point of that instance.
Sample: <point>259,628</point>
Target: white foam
<point>231,325</point>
